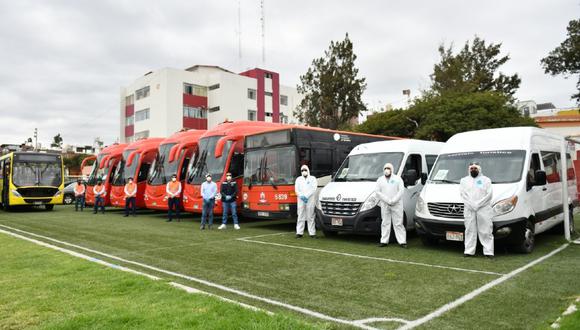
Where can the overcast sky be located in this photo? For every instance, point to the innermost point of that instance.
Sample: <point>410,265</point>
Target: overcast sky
<point>62,63</point>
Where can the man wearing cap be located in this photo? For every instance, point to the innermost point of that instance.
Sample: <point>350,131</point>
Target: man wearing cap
<point>100,193</point>
<point>389,191</point>
<point>79,195</point>
<point>173,190</point>
<point>229,192</point>
<point>476,193</point>
<point>130,197</point>
<point>208,193</point>
<point>305,187</point>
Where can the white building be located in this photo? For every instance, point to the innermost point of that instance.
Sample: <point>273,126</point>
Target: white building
<point>165,101</point>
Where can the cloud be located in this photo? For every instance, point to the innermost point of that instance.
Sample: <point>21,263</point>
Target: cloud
<point>62,63</point>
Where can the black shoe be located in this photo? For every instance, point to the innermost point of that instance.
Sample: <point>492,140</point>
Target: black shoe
<point>490,257</point>
<point>209,227</point>
<point>126,215</point>
<point>298,236</point>
<point>382,244</point>
<point>465,255</point>
<point>404,246</point>
<point>202,227</point>
<point>94,212</point>
<point>168,220</point>
<point>314,236</point>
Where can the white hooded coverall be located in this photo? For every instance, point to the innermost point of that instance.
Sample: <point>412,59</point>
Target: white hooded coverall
<point>306,186</point>
<point>390,194</point>
<point>476,194</point>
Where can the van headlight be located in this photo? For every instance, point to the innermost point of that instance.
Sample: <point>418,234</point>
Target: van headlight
<point>420,206</point>
<point>505,205</point>
<point>15,193</point>
<point>371,202</point>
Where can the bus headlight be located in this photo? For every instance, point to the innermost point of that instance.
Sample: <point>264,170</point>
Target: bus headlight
<point>371,202</point>
<point>420,206</point>
<point>245,205</point>
<point>505,205</point>
<point>16,193</point>
<point>284,207</point>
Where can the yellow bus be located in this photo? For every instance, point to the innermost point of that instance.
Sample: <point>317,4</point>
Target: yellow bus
<point>31,179</point>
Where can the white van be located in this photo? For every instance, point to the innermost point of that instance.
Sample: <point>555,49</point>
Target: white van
<point>524,165</point>
<point>348,202</point>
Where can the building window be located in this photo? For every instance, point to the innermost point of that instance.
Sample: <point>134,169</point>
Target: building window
<point>268,114</point>
<point>214,109</point>
<point>194,112</point>
<point>251,94</point>
<point>141,135</point>
<point>194,90</point>
<point>142,115</point>
<point>283,118</point>
<point>142,93</point>
<point>268,75</point>
<point>212,87</point>
<point>252,115</point>
<point>268,93</point>
<point>283,99</point>
<point>129,121</point>
<point>129,99</point>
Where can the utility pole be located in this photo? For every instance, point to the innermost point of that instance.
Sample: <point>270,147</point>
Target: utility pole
<point>240,34</point>
<point>35,139</point>
<point>263,19</point>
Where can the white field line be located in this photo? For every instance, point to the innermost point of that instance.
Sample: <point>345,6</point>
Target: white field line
<point>129,270</point>
<point>205,282</point>
<point>372,258</point>
<point>447,307</point>
<point>381,319</point>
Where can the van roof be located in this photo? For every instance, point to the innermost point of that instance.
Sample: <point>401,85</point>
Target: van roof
<point>405,146</point>
<point>508,138</point>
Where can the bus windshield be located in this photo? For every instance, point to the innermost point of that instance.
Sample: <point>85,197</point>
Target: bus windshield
<point>125,172</point>
<point>37,170</point>
<point>276,166</point>
<point>207,162</point>
<point>98,173</point>
<point>367,167</point>
<point>501,166</point>
<point>162,169</point>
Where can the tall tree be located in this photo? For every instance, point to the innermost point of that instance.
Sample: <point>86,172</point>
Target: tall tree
<point>473,69</point>
<point>332,89</point>
<point>565,59</point>
<point>57,141</point>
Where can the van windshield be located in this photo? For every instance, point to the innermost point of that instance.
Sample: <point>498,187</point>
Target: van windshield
<point>367,167</point>
<point>501,166</point>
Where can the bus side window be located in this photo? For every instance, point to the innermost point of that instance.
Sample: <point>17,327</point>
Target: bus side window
<point>321,162</point>
<point>237,165</point>
<point>142,176</point>
<point>430,160</point>
<point>413,163</point>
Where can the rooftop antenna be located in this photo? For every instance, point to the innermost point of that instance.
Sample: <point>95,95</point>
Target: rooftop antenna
<point>263,19</point>
<point>240,33</point>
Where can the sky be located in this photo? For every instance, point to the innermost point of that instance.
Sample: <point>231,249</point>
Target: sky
<point>62,63</point>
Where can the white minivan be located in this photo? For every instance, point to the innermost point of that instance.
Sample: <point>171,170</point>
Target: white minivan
<point>524,165</point>
<point>348,202</point>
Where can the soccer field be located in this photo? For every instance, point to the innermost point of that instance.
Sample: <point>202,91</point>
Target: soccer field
<point>337,282</point>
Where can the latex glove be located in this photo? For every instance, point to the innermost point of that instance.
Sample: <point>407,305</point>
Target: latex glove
<point>304,199</point>
<point>228,198</point>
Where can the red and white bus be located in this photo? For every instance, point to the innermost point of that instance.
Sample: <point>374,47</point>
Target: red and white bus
<point>273,160</point>
<point>136,162</point>
<point>173,157</point>
<point>105,163</point>
<point>221,150</point>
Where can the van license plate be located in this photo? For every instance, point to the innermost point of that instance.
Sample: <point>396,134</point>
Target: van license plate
<point>336,221</point>
<point>454,236</point>
<point>263,214</point>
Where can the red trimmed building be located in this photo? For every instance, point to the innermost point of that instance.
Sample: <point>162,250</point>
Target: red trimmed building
<point>165,101</point>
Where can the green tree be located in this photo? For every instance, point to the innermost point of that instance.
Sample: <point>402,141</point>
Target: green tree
<point>473,69</point>
<point>332,89</point>
<point>57,141</point>
<point>565,59</point>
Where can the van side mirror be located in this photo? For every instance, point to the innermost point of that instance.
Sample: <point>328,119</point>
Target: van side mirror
<point>410,177</point>
<point>423,178</point>
<point>540,178</point>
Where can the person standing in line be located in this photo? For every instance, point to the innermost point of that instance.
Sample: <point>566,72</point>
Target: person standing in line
<point>305,188</point>
<point>389,190</point>
<point>130,197</point>
<point>173,190</point>
<point>208,193</point>
<point>80,190</point>
<point>476,193</point>
<point>229,192</point>
<point>100,193</point>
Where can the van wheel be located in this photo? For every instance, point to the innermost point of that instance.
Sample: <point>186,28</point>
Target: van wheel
<point>68,199</point>
<point>526,240</point>
<point>49,207</point>
<point>429,240</point>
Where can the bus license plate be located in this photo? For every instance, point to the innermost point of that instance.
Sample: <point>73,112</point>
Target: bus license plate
<point>37,203</point>
<point>263,214</point>
<point>454,236</point>
<point>336,221</point>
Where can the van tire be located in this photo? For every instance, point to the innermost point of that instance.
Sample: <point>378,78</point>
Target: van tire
<point>526,241</point>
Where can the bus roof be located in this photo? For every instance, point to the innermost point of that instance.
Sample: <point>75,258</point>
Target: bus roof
<point>115,148</point>
<point>187,136</point>
<point>242,128</point>
<point>318,129</point>
<point>144,144</point>
<point>405,146</point>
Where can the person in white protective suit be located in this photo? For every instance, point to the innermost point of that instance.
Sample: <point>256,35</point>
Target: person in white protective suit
<point>305,187</point>
<point>476,193</point>
<point>389,191</point>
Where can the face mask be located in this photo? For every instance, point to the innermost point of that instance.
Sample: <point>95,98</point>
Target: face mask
<point>173,179</point>
<point>474,173</point>
<point>304,173</point>
<point>387,172</point>
<point>130,181</point>
<point>208,179</point>
<point>229,178</point>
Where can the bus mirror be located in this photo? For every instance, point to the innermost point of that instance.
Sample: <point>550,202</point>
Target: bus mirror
<point>173,152</point>
<point>130,158</point>
<point>423,178</point>
<point>104,161</point>
<point>86,160</point>
<point>540,178</point>
<point>219,147</point>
